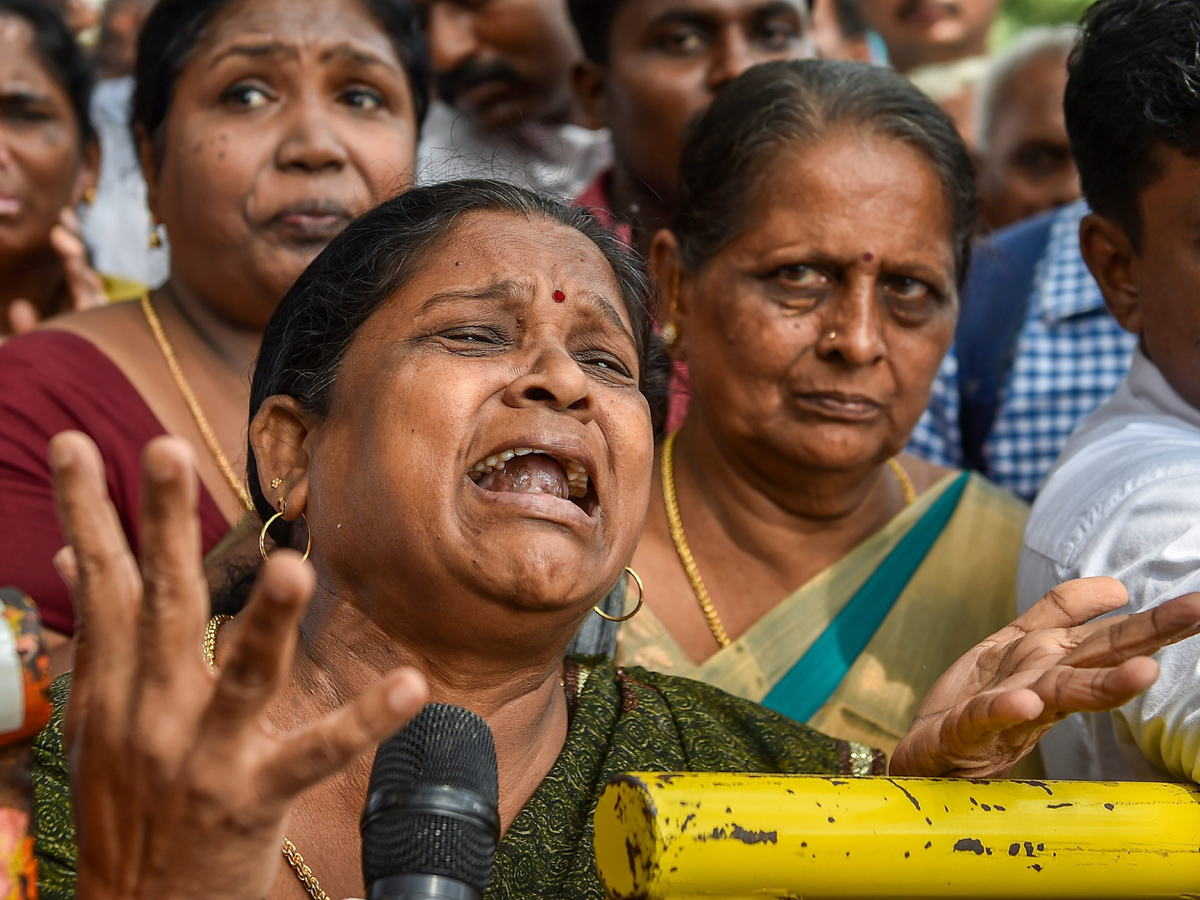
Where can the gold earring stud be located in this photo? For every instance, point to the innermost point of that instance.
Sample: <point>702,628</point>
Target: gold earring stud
<point>89,196</point>
<point>276,482</point>
<point>670,334</point>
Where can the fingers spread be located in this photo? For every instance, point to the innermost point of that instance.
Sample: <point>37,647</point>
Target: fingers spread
<point>1074,603</point>
<point>987,715</point>
<point>1112,641</point>
<point>266,639</point>
<point>1067,690</point>
<point>318,751</point>
<point>965,740</point>
<point>176,602</point>
<point>107,593</point>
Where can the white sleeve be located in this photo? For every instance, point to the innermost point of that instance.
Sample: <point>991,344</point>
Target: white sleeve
<point>1151,543</point>
<point>1037,575</point>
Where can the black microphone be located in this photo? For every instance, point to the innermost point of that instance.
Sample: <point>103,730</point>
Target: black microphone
<point>430,826</point>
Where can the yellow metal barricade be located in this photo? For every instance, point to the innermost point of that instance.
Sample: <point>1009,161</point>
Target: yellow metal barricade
<point>679,837</point>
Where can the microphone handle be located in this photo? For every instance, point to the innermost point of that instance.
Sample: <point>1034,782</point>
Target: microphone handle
<point>421,886</point>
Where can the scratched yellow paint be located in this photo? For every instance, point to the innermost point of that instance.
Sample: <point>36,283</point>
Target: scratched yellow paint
<point>692,836</point>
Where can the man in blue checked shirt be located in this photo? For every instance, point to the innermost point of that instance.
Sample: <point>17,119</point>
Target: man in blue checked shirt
<point>1036,351</point>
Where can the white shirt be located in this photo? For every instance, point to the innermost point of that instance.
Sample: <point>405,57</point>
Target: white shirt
<point>116,228</point>
<point>559,160</point>
<point>1124,501</point>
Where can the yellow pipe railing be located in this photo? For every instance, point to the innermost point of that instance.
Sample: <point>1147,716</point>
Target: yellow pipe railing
<point>692,836</point>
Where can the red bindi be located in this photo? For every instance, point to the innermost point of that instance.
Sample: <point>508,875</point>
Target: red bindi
<point>867,257</point>
<point>560,297</point>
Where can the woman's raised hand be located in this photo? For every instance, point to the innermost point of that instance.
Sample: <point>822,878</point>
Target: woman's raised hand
<point>84,286</point>
<point>181,786</point>
<point>989,710</point>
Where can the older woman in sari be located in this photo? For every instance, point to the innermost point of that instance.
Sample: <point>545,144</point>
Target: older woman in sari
<point>438,333</point>
<point>791,556</point>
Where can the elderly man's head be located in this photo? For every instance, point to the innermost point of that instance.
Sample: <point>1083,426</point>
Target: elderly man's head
<point>503,62</point>
<point>1024,155</point>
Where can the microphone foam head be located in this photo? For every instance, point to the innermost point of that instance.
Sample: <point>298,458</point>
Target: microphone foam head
<point>432,800</point>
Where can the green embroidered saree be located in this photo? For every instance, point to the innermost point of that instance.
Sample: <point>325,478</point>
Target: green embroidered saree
<point>621,721</point>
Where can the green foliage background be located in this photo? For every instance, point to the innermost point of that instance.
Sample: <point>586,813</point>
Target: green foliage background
<point>1018,14</point>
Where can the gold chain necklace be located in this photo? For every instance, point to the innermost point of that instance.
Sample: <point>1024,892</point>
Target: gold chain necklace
<point>189,397</point>
<point>290,853</point>
<point>715,625</point>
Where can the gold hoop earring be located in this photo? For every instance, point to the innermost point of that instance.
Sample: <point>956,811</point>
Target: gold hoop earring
<point>637,609</point>
<point>262,537</point>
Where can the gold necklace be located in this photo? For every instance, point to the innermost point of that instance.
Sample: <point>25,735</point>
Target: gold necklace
<point>290,853</point>
<point>189,397</point>
<point>715,625</point>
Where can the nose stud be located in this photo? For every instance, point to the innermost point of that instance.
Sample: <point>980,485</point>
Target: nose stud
<point>833,335</point>
<point>560,297</point>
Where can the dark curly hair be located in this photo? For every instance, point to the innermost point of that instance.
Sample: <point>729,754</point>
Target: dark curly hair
<point>1134,87</point>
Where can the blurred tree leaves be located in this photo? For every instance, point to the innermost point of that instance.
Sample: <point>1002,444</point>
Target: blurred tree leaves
<point>1019,14</point>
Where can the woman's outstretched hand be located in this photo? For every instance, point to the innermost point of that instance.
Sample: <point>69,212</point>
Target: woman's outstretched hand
<point>181,786</point>
<point>989,710</point>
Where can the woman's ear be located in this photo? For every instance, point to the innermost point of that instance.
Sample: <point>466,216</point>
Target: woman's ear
<point>1113,262</point>
<point>149,163</point>
<point>280,436</point>
<point>673,290</point>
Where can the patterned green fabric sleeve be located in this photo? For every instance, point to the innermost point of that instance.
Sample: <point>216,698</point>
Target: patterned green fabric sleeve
<point>54,822</point>
<point>621,721</point>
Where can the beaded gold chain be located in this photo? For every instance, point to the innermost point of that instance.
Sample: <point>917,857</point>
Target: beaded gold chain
<point>715,625</point>
<point>290,853</point>
<point>193,405</point>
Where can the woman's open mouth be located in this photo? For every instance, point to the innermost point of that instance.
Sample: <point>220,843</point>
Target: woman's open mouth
<point>553,482</point>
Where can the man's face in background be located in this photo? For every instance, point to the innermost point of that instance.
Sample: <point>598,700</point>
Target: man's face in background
<point>503,62</point>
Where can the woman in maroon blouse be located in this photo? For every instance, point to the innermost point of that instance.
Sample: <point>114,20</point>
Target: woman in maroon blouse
<point>263,126</point>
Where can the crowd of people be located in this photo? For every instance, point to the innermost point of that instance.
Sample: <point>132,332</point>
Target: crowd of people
<point>666,381</point>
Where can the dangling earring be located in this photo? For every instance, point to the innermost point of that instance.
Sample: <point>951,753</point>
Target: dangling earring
<point>670,331</point>
<point>156,240</point>
<point>262,535</point>
<point>637,609</point>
